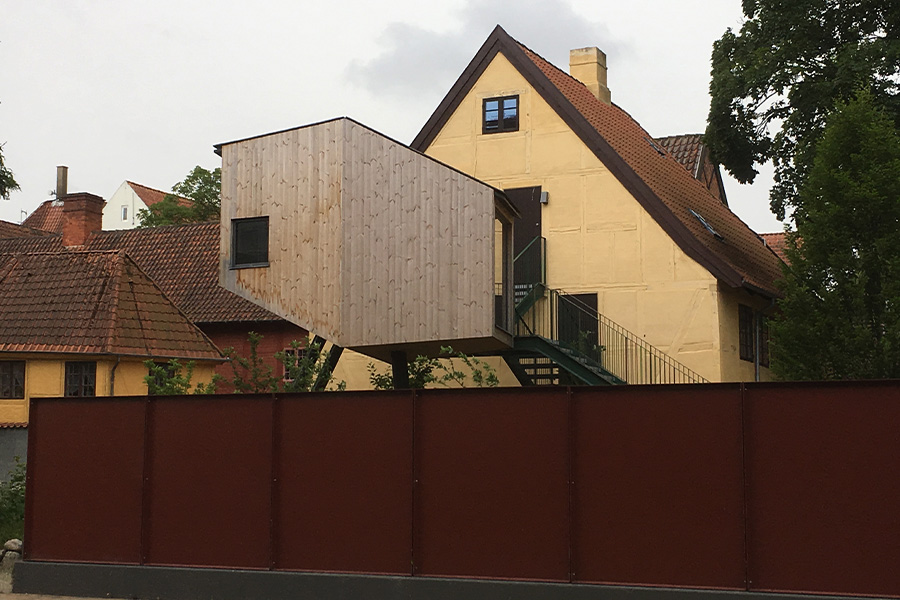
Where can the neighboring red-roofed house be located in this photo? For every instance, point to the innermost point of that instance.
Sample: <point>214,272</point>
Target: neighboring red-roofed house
<point>121,210</point>
<point>183,260</point>
<point>48,216</point>
<point>75,323</point>
<point>776,241</point>
<point>690,151</point>
<point>631,233</point>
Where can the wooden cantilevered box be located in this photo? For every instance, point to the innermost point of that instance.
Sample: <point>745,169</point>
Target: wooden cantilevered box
<point>366,242</point>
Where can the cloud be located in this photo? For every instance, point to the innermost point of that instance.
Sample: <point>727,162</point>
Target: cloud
<point>417,62</point>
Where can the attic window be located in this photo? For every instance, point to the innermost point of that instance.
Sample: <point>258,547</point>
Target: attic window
<point>708,226</point>
<point>500,114</point>
<point>250,242</point>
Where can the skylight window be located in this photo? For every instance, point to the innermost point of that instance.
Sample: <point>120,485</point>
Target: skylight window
<point>709,228</point>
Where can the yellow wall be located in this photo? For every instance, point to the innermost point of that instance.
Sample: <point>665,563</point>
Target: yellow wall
<point>45,378</point>
<point>599,238</point>
<point>733,368</point>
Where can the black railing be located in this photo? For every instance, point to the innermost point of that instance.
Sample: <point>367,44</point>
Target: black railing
<point>567,321</point>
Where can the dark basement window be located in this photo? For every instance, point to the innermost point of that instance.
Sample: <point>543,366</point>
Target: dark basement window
<point>500,114</point>
<point>250,242</point>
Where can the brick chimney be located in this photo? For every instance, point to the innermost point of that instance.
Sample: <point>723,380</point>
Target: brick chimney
<point>588,65</point>
<point>82,214</point>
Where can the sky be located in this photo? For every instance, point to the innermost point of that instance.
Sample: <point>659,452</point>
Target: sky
<point>119,90</point>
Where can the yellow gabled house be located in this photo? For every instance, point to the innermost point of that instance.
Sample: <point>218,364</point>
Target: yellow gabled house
<point>78,323</point>
<point>616,234</point>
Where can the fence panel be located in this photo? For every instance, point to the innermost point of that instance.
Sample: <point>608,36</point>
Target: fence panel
<point>491,499</point>
<point>85,465</point>
<point>210,481</point>
<point>344,471</point>
<point>658,488</point>
<point>823,491</point>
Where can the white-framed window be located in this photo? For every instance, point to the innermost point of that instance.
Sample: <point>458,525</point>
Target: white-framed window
<point>125,213</point>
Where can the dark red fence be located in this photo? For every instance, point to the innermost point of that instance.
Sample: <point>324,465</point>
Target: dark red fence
<point>764,487</point>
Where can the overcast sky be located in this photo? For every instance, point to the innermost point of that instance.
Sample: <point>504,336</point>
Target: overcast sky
<point>119,90</point>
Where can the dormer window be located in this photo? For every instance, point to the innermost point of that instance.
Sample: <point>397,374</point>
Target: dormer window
<point>500,114</point>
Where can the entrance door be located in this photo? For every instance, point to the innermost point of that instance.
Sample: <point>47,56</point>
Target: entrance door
<point>527,200</point>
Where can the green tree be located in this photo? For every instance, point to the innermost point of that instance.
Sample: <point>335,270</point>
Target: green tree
<point>424,370</point>
<point>7,181</point>
<point>12,503</point>
<point>173,379</point>
<point>840,316</point>
<point>201,187</point>
<point>774,83</point>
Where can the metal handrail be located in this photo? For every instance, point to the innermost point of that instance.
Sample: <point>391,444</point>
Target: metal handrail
<point>615,349</point>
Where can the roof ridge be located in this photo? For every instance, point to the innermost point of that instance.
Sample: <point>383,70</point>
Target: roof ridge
<point>112,334</point>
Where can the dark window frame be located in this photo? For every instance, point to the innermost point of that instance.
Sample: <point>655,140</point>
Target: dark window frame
<point>80,379</point>
<point>502,125</point>
<point>236,225</point>
<point>11,386</point>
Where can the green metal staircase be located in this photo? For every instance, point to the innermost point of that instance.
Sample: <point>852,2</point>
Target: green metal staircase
<point>560,340</point>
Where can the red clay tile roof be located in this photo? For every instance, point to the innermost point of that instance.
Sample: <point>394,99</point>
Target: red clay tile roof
<point>13,230</point>
<point>150,196</point>
<point>700,224</point>
<point>45,243</point>
<point>776,241</point>
<point>686,149</point>
<point>48,216</point>
<point>101,303</point>
<point>184,261</point>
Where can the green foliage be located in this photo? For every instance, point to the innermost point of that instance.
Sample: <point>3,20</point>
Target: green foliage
<point>424,371</point>
<point>251,374</point>
<point>774,83</point>
<point>7,181</point>
<point>840,316</point>
<point>202,187</point>
<point>174,379</point>
<point>304,366</point>
<point>12,503</point>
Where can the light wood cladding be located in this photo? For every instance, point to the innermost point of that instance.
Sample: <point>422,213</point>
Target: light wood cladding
<point>370,242</point>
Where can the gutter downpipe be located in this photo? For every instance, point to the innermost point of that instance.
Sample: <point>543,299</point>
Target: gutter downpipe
<point>112,377</point>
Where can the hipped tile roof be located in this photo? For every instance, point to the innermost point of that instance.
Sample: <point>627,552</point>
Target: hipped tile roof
<point>91,303</point>
<point>48,217</point>
<point>184,261</point>
<point>721,242</point>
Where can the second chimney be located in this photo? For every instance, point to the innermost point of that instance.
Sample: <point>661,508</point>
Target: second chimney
<point>588,65</point>
<point>62,181</point>
<point>82,214</point>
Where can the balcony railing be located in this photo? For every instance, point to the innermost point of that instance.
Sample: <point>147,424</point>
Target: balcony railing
<point>569,322</point>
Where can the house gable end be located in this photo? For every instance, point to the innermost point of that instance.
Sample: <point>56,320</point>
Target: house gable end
<point>524,62</point>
